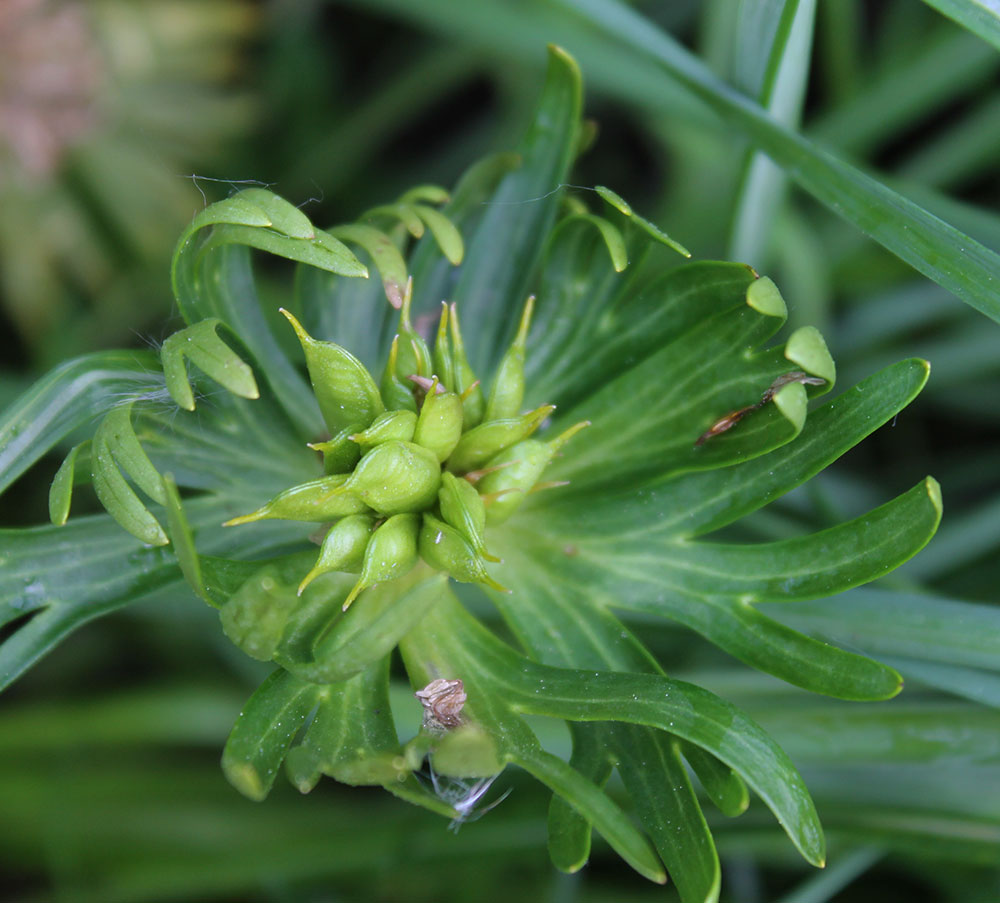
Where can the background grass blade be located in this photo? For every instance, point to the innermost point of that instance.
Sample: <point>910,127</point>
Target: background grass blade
<point>968,269</point>
<point>981,17</point>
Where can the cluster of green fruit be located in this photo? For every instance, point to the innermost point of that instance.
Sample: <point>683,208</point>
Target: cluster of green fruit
<point>419,465</point>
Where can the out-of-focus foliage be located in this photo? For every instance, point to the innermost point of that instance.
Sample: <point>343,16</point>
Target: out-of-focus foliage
<point>106,106</point>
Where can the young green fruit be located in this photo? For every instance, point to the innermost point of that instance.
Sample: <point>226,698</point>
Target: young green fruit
<point>439,426</point>
<point>508,384</point>
<point>397,392</point>
<point>347,395</point>
<point>318,500</point>
<point>515,471</point>
<point>396,477</point>
<point>462,508</point>
<point>391,553</point>
<point>340,453</point>
<point>343,548</point>
<point>444,364</point>
<point>465,382</point>
<point>490,438</point>
<point>445,549</point>
<point>390,425</point>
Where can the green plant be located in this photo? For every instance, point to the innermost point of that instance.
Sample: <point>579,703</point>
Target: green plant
<point>695,422</point>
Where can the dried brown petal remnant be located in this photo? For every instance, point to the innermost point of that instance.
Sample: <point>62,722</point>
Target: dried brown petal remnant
<point>733,417</point>
<point>442,701</point>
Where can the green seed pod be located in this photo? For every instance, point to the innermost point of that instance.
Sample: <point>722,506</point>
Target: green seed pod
<point>440,424</point>
<point>390,425</point>
<point>508,384</point>
<point>466,384</point>
<point>343,548</point>
<point>396,477</point>
<point>445,549</point>
<point>444,365</point>
<point>488,439</point>
<point>410,354</point>
<point>517,470</point>
<point>520,467</point>
<point>391,553</point>
<point>397,393</point>
<point>462,508</point>
<point>318,500</point>
<point>340,453</point>
<point>345,390</point>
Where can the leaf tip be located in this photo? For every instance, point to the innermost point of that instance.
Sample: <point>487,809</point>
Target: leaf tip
<point>763,296</point>
<point>792,402</point>
<point>934,493</point>
<point>245,778</point>
<point>807,348</point>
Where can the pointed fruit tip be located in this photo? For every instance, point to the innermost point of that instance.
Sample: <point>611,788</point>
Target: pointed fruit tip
<point>522,331</point>
<point>352,595</point>
<point>492,584</point>
<point>296,325</point>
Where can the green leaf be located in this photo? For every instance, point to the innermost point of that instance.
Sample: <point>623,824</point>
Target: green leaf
<point>220,285</point>
<point>367,631</point>
<point>771,64</point>
<point>453,642</point>
<point>725,788</point>
<point>264,731</point>
<point>182,538</point>
<point>115,446</point>
<point>819,564</point>
<point>650,228</point>
<point>352,737</point>
<point>562,626</point>
<point>433,274</point>
<point>61,490</point>
<point>488,282</point>
<point>211,355</point>
<point>692,504</point>
<point>981,17</point>
<point>941,642</point>
<point>405,213</point>
<point>69,397</point>
<point>955,261</point>
<point>597,807</point>
<point>569,830</point>
<point>213,279</point>
<point>65,576</point>
<point>634,571</point>
<point>351,312</point>
<point>648,419</point>
<point>447,236</point>
<point>658,784</point>
<point>283,217</point>
<point>390,263</point>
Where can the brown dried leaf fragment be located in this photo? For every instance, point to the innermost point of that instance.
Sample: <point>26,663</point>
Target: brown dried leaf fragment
<point>442,701</point>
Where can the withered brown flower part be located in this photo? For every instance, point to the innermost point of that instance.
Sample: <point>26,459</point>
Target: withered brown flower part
<point>442,701</point>
<point>730,420</point>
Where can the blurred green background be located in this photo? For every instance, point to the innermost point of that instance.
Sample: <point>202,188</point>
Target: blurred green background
<point>120,119</point>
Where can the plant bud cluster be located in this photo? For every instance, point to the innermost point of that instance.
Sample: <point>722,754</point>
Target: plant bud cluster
<point>420,463</point>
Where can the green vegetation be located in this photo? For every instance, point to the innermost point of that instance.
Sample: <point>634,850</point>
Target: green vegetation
<point>674,613</point>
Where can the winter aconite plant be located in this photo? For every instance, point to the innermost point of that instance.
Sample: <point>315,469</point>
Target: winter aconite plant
<point>346,477</point>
